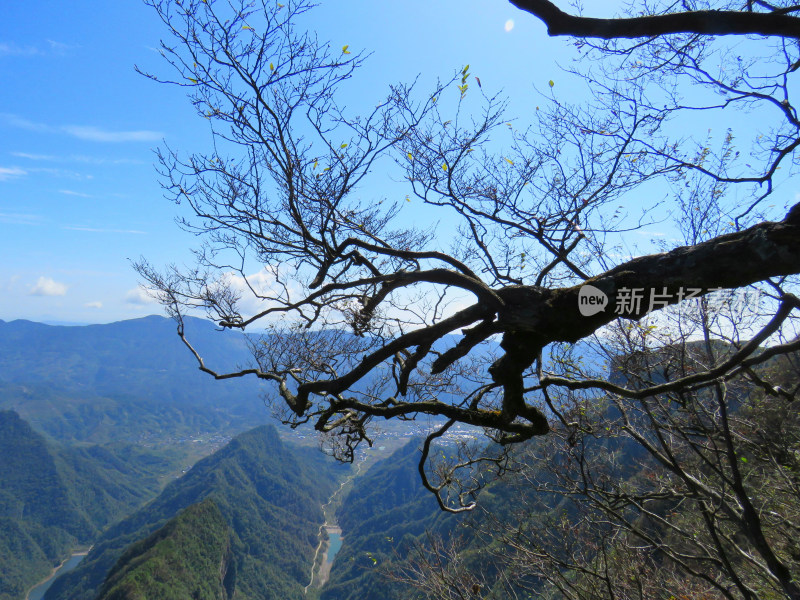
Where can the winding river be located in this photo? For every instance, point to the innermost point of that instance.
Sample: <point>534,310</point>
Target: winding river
<point>37,592</point>
<point>320,570</point>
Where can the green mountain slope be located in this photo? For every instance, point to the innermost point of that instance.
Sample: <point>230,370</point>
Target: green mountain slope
<point>270,495</point>
<point>189,557</point>
<point>54,498</point>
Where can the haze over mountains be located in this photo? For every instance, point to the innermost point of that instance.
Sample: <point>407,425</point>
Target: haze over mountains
<point>95,422</point>
<point>131,380</point>
<point>98,425</point>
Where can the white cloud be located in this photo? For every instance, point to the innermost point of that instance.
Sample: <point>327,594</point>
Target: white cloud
<point>20,123</point>
<point>48,287</point>
<point>30,156</point>
<point>7,173</point>
<point>95,134</point>
<point>263,282</point>
<point>83,132</point>
<point>140,296</point>
<point>94,305</point>
<point>509,25</point>
<point>72,193</point>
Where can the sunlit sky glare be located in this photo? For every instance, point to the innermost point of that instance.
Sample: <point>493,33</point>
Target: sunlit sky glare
<point>79,194</point>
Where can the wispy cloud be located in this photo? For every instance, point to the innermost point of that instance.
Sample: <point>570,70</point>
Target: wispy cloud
<point>83,132</point>
<point>21,123</point>
<point>95,134</point>
<point>103,230</point>
<point>94,305</point>
<point>20,219</point>
<point>12,49</point>
<point>66,173</point>
<point>29,156</point>
<point>78,158</point>
<point>53,48</point>
<point>48,287</point>
<point>73,193</point>
<point>7,173</point>
<point>61,48</point>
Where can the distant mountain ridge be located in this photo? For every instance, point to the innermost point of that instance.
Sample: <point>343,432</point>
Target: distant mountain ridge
<point>131,380</point>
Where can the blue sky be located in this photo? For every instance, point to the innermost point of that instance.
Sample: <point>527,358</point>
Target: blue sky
<point>79,195</point>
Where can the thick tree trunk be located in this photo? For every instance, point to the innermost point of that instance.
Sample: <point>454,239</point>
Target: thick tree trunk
<point>707,22</point>
<point>533,317</point>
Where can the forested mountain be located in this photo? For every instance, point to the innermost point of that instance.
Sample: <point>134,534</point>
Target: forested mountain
<point>131,380</point>
<point>269,495</point>
<point>603,506</point>
<point>54,498</point>
<point>189,557</point>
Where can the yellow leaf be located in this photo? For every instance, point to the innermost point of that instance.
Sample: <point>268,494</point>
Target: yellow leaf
<point>345,49</point>
<point>271,67</point>
<point>444,167</point>
<point>508,160</point>
<point>408,199</point>
<point>280,6</point>
<point>550,83</point>
<point>315,165</point>
<point>410,156</point>
<point>247,27</point>
<point>343,146</point>
<point>192,80</point>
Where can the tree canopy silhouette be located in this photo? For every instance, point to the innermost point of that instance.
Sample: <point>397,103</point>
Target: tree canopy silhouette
<point>370,314</point>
